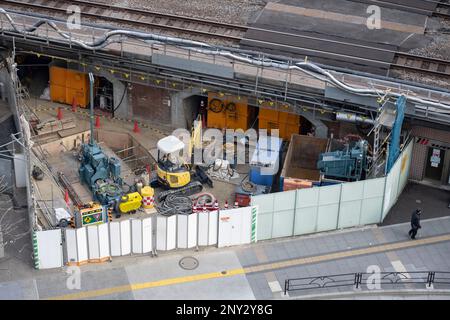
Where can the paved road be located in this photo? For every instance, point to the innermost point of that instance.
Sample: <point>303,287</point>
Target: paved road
<point>251,272</point>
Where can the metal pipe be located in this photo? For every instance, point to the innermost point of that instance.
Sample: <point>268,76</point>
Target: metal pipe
<point>91,115</point>
<point>350,117</point>
<point>115,36</point>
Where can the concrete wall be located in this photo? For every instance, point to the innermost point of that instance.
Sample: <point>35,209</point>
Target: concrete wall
<point>182,108</point>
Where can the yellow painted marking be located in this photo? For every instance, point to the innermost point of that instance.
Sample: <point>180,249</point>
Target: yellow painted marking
<point>256,268</point>
<point>147,285</point>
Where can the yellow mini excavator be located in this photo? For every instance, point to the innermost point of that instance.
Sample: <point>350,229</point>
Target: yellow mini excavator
<point>174,173</point>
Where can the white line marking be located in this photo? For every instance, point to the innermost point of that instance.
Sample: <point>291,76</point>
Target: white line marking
<point>399,267</point>
<point>275,286</point>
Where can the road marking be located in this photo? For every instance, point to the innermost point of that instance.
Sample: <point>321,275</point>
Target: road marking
<point>399,267</point>
<point>274,286</point>
<point>256,268</point>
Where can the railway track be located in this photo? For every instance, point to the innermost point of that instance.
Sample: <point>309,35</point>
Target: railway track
<point>442,10</point>
<point>134,17</point>
<point>198,27</point>
<point>421,64</point>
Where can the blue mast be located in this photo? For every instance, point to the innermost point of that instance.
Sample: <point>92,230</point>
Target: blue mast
<point>394,144</point>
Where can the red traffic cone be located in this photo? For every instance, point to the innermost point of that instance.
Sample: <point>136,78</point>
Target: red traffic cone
<point>136,128</point>
<point>97,122</point>
<point>226,205</point>
<point>66,197</point>
<point>59,115</point>
<point>236,204</point>
<point>74,105</point>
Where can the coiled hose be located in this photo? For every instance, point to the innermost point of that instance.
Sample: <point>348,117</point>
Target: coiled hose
<point>174,204</point>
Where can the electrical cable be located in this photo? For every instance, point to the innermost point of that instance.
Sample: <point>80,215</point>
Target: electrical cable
<point>308,68</point>
<point>175,204</point>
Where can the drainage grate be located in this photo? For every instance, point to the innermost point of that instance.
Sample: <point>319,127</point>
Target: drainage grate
<point>188,263</point>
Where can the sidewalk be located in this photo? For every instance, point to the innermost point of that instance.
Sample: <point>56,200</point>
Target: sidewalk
<point>434,203</point>
<point>256,271</point>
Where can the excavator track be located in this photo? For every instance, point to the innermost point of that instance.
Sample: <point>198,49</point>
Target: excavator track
<point>192,188</point>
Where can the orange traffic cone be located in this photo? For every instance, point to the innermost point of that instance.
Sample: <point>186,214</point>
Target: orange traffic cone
<point>97,122</point>
<point>74,105</point>
<point>59,115</point>
<point>136,128</point>
<point>66,197</point>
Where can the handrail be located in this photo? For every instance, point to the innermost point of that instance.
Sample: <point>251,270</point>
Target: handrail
<point>355,280</point>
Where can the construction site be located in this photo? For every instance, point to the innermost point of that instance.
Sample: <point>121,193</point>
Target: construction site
<point>136,134</point>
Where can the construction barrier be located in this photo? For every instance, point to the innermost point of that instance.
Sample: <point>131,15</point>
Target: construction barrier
<point>48,251</point>
<point>166,232</point>
<point>207,228</point>
<point>345,205</point>
<point>235,227</point>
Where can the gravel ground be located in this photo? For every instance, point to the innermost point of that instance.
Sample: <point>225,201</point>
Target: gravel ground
<point>421,78</point>
<point>226,11</point>
<point>439,48</point>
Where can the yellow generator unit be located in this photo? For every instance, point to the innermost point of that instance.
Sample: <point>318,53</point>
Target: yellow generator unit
<point>130,202</point>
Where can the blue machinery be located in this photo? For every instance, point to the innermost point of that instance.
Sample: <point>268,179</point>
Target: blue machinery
<point>100,173</point>
<point>350,163</point>
<point>394,144</point>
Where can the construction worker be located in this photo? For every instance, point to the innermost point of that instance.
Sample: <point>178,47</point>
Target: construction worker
<point>415,223</point>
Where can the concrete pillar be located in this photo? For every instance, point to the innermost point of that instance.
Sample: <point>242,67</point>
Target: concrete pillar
<point>122,106</point>
<point>321,128</point>
<point>181,110</point>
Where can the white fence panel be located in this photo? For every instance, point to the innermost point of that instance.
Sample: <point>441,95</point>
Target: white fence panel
<point>125,237</point>
<point>161,233</point>
<point>103,238</point>
<point>265,204</point>
<point>182,231</point>
<point>306,211</point>
<point>166,232</point>
<point>82,245</point>
<point>136,236</point>
<point>171,232</point>
<point>93,243</point>
<point>114,238</point>
<point>351,202</point>
<point>234,227</point>
<point>49,249</point>
<point>404,167</point>
<point>147,235</point>
<point>390,193</point>
<point>283,217</point>
<point>372,205</point>
<point>328,211</point>
<point>213,220</point>
<point>71,246</point>
<point>192,230</point>
<point>203,228</point>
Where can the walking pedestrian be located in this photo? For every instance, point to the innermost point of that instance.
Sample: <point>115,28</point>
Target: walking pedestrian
<point>415,223</point>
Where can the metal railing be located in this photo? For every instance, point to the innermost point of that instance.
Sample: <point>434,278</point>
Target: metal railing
<point>356,280</point>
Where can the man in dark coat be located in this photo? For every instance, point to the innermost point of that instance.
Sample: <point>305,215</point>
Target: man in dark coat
<point>415,223</point>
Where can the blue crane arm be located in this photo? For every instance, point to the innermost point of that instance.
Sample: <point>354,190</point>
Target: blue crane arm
<point>394,144</point>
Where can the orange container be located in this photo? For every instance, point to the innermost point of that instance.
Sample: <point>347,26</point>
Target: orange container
<point>286,123</point>
<point>285,130</point>
<point>57,76</point>
<point>234,112</point>
<point>57,93</point>
<point>65,85</point>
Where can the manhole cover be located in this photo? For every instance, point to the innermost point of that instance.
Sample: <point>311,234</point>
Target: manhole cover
<point>188,263</point>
